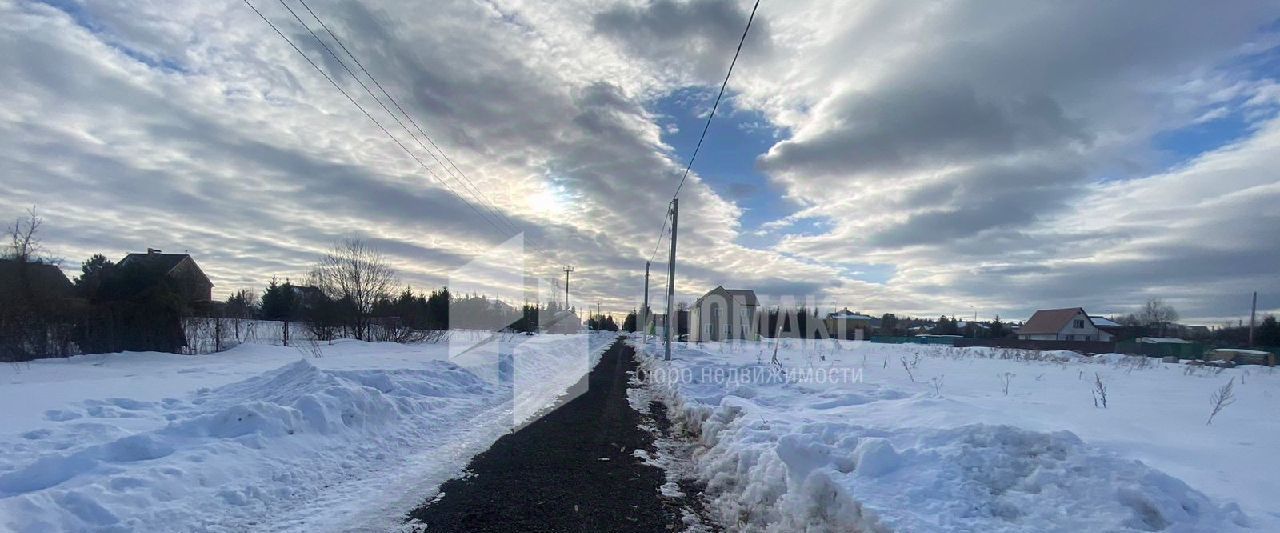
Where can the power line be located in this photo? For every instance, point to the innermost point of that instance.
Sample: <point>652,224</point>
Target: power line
<point>364,111</point>
<point>369,91</point>
<point>716,105</point>
<point>706,126</point>
<point>456,172</point>
<point>458,175</point>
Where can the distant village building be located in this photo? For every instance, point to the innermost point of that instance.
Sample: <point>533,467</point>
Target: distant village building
<point>724,314</point>
<point>306,296</point>
<point>845,323</point>
<point>1071,324</point>
<point>1106,324</point>
<point>192,285</point>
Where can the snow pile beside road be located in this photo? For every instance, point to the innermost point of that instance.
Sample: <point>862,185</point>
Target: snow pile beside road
<point>267,444</point>
<point>927,440</point>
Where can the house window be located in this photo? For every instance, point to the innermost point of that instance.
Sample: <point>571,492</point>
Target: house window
<point>1079,323</point>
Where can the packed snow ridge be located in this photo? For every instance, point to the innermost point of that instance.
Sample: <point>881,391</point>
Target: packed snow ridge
<point>248,440</point>
<point>855,436</point>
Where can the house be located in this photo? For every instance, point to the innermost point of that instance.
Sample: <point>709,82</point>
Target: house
<point>21,281</point>
<point>724,314</point>
<point>1106,324</point>
<point>180,269</point>
<point>1070,324</point>
<point>844,323</point>
<point>306,296</point>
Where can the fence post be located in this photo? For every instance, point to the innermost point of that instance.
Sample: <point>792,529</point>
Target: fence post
<point>286,332</point>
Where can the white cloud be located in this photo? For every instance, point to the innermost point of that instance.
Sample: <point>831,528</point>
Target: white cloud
<point>957,144</point>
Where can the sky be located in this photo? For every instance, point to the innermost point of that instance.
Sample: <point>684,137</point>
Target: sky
<point>920,158</point>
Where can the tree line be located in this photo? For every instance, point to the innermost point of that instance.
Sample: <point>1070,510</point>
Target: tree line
<point>352,291</point>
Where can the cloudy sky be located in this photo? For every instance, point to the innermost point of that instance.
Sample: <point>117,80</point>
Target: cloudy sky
<point>911,157</point>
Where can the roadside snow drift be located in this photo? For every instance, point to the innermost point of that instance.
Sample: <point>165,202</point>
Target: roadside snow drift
<point>856,436</point>
<point>247,440</point>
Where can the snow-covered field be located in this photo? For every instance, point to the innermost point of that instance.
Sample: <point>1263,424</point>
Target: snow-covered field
<point>264,438</point>
<point>883,437</point>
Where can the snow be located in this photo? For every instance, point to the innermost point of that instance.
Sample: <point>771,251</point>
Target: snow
<point>262,437</point>
<point>889,437</point>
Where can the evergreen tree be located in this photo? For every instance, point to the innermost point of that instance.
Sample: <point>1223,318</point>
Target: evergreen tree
<point>242,304</point>
<point>998,329</point>
<point>92,272</point>
<point>1268,333</point>
<point>279,302</point>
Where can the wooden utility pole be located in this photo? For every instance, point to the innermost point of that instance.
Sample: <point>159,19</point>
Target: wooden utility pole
<point>567,270</point>
<point>672,321</point>
<point>1253,312</point>
<point>644,311</point>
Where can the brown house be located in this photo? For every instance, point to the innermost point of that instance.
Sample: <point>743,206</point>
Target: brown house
<point>193,285</point>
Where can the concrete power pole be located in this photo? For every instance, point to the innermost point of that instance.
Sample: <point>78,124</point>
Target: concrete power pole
<point>672,321</point>
<point>643,319</point>
<point>1253,312</point>
<point>567,270</point>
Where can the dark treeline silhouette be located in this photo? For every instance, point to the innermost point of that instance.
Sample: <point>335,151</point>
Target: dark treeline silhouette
<point>161,302</point>
<point>602,323</point>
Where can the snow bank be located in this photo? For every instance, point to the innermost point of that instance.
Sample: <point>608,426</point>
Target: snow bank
<point>296,445</point>
<point>924,439</point>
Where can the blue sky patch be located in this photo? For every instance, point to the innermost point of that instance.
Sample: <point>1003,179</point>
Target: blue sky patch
<point>727,161</point>
<point>1186,143</point>
<point>84,19</point>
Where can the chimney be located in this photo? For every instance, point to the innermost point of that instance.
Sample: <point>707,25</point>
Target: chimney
<point>153,251</point>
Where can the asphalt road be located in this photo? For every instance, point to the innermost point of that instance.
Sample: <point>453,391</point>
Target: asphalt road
<point>572,470</point>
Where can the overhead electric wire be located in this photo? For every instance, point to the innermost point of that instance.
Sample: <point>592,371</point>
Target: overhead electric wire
<point>492,218</point>
<point>363,110</point>
<point>706,126</point>
<point>456,172</point>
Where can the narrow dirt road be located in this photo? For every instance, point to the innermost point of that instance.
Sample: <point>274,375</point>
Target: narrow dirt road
<point>572,470</point>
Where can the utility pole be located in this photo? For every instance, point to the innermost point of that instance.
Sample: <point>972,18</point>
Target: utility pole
<point>567,270</point>
<point>644,311</point>
<point>672,322</point>
<point>1253,312</point>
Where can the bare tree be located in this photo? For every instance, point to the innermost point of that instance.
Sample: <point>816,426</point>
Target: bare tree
<point>356,276</point>
<point>1157,313</point>
<point>34,317</point>
<point>24,245</point>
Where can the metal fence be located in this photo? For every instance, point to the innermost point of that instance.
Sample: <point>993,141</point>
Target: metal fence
<point>212,335</point>
<point>1191,350</point>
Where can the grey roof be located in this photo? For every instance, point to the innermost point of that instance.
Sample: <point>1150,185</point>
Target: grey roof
<point>161,262</point>
<point>849,315</point>
<point>1103,322</point>
<point>745,296</point>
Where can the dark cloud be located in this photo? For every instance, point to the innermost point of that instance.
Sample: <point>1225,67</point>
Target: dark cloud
<point>686,35</point>
<point>912,127</point>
